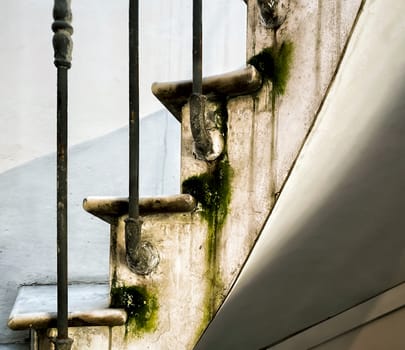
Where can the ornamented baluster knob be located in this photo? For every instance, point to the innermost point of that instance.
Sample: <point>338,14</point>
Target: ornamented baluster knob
<point>62,40</point>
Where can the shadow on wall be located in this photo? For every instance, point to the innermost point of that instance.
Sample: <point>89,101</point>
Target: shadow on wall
<point>98,167</point>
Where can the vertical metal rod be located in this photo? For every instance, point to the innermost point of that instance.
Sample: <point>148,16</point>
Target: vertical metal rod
<point>133,109</point>
<point>197,46</point>
<point>62,224</point>
<point>141,257</point>
<point>133,224</point>
<point>62,44</point>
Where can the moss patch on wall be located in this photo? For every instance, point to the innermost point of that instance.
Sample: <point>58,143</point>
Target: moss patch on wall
<point>213,191</point>
<point>141,308</point>
<point>274,64</point>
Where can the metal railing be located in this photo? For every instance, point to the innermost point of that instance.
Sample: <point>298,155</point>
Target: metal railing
<point>62,44</point>
<point>133,224</point>
<point>141,256</point>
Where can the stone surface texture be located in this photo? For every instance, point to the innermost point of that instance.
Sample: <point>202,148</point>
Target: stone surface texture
<point>335,236</point>
<point>263,142</point>
<point>199,262</point>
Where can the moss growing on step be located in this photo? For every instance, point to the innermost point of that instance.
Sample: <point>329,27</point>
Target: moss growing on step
<point>141,308</point>
<point>274,64</point>
<point>213,191</point>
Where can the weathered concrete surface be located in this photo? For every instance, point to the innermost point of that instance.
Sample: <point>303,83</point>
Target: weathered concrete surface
<point>259,164</point>
<point>335,237</point>
<point>266,131</point>
<point>318,31</point>
<point>180,282</point>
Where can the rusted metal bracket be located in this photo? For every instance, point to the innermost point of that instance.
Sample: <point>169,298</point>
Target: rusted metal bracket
<point>205,128</point>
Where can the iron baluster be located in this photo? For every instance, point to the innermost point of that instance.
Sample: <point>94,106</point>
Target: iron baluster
<point>197,99</point>
<point>62,44</point>
<point>197,46</point>
<point>208,140</point>
<point>141,256</point>
<point>133,224</point>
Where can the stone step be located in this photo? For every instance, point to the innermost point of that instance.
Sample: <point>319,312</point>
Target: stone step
<point>174,95</point>
<point>107,208</point>
<point>35,307</point>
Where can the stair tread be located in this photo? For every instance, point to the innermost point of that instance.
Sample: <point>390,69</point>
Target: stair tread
<point>174,95</point>
<point>107,207</point>
<point>35,307</point>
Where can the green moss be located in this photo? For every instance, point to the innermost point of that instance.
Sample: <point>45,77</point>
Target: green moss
<point>213,191</point>
<point>141,308</point>
<point>274,64</point>
<point>206,319</point>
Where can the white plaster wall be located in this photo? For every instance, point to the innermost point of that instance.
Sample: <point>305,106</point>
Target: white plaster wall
<point>98,78</point>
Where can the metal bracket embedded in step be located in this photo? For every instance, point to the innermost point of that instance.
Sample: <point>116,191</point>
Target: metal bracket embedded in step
<point>142,257</point>
<point>205,108</point>
<point>205,128</point>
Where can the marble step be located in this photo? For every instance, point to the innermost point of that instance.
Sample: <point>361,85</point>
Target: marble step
<point>35,307</point>
<point>174,95</point>
<point>108,208</point>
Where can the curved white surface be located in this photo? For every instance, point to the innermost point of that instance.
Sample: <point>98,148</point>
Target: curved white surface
<point>336,235</point>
